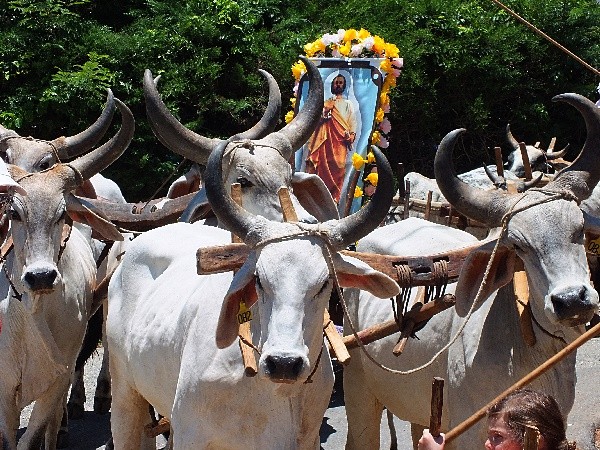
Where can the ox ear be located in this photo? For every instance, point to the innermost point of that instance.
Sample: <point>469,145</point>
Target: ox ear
<point>352,272</point>
<point>82,211</point>
<point>471,275</point>
<point>313,195</point>
<point>86,190</point>
<point>242,288</point>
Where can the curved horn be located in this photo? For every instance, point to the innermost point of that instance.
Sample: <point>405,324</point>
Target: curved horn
<point>497,180</point>
<point>100,158</point>
<point>6,133</point>
<point>484,206</point>
<point>350,229</point>
<point>232,216</point>
<point>511,139</point>
<point>523,186</point>
<point>193,146</point>
<point>586,167</point>
<point>555,155</point>
<point>73,146</point>
<point>302,126</point>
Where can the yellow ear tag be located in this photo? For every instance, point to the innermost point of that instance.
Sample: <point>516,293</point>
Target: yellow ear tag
<point>244,314</point>
<point>593,246</point>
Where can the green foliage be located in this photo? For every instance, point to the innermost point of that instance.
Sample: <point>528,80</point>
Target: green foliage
<point>467,64</point>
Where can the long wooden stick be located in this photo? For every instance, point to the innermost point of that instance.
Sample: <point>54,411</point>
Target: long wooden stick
<point>437,403</point>
<point>545,36</point>
<point>468,423</point>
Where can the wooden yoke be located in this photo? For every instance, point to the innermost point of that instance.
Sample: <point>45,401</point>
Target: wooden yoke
<point>333,337</point>
<point>521,289</point>
<point>526,162</point>
<point>250,367</point>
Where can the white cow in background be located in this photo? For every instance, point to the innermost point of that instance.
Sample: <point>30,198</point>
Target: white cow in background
<point>545,229</point>
<point>52,275</point>
<point>161,310</point>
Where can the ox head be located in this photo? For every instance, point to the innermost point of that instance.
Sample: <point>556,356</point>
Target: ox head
<point>35,155</point>
<point>544,227</point>
<point>259,158</point>
<point>289,274</point>
<point>538,158</point>
<point>38,219</point>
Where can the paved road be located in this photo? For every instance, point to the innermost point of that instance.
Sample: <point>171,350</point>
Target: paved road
<point>93,430</point>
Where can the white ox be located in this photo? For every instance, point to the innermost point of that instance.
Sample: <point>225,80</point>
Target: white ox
<point>546,231</point>
<point>36,155</point>
<point>52,275</point>
<point>161,310</point>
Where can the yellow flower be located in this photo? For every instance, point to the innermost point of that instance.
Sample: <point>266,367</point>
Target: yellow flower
<point>370,158</point>
<point>379,115</point>
<point>345,49</point>
<point>293,102</point>
<point>319,45</point>
<point>310,49</point>
<point>375,137</point>
<point>298,69</point>
<point>363,34</point>
<point>289,116</point>
<point>378,44</point>
<point>384,99</point>
<point>350,35</point>
<point>357,161</point>
<point>386,65</point>
<point>391,51</point>
<point>372,178</point>
<point>358,192</point>
<point>389,82</point>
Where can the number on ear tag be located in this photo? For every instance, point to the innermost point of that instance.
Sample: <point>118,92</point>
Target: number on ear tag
<point>244,314</point>
<point>593,246</point>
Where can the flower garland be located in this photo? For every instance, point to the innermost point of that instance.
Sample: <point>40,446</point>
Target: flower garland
<point>357,44</point>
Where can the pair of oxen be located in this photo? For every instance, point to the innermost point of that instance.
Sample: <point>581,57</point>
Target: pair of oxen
<point>172,332</point>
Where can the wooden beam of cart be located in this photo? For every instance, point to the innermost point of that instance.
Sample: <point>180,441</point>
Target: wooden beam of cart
<point>224,258</point>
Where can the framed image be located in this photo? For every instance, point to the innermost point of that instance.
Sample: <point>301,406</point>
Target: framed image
<point>352,88</point>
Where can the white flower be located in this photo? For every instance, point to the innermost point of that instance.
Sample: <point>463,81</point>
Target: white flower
<point>368,42</point>
<point>341,33</point>
<point>356,50</point>
<point>329,39</point>
<point>336,53</point>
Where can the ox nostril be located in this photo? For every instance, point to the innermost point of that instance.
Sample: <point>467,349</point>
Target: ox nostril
<point>571,302</point>
<point>284,368</point>
<point>39,279</point>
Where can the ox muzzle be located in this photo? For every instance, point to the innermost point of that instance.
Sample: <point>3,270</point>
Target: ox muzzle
<point>40,279</point>
<point>574,305</point>
<point>284,367</point>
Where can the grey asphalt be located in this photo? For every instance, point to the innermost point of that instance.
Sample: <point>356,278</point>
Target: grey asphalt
<point>92,431</point>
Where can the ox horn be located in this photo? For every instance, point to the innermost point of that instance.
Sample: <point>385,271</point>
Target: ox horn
<point>73,146</point>
<point>484,206</point>
<point>350,229</point>
<point>583,173</point>
<point>510,138</point>
<point>498,181</point>
<point>100,158</point>
<point>193,146</point>
<point>298,131</point>
<point>559,154</point>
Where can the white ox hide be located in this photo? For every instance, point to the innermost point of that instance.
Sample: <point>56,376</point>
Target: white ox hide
<point>546,232</point>
<point>161,310</point>
<point>52,273</point>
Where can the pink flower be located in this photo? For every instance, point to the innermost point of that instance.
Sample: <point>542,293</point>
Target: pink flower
<point>386,108</point>
<point>385,126</point>
<point>356,50</point>
<point>368,42</point>
<point>383,142</point>
<point>296,89</point>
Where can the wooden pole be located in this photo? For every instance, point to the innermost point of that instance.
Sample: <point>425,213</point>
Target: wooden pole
<point>400,175</point>
<point>526,162</point>
<point>250,366</point>
<point>406,199</point>
<point>521,290</point>
<point>469,422</point>
<point>428,205</point>
<point>437,404</point>
<point>499,163</point>
<point>335,340</point>
<point>287,207</point>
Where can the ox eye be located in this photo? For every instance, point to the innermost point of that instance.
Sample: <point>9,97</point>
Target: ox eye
<point>244,182</point>
<point>45,165</point>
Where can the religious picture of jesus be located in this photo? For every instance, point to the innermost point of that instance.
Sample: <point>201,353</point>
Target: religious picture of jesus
<point>345,126</point>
